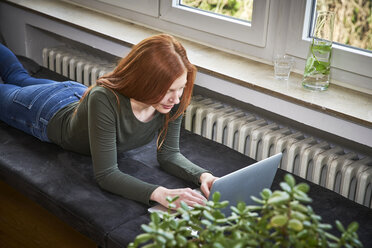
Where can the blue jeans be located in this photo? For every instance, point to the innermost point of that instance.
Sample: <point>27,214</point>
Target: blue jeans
<point>28,103</point>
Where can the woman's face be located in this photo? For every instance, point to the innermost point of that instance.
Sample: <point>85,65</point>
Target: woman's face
<point>173,95</point>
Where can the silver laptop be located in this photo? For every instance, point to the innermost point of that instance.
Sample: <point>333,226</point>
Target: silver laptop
<point>240,185</point>
<point>249,181</point>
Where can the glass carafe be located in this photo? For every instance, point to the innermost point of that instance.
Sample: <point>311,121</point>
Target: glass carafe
<point>318,63</point>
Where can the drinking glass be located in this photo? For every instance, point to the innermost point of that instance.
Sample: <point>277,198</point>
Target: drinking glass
<point>282,66</point>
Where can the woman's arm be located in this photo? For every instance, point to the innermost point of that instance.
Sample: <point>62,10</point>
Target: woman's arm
<point>172,161</point>
<point>102,116</point>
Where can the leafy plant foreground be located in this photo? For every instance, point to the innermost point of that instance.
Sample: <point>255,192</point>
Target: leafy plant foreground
<point>281,219</point>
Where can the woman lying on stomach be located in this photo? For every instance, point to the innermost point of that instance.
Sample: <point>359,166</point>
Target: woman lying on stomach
<point>147,93</point>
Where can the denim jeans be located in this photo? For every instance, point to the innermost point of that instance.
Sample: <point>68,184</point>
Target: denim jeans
<point>28,103</point>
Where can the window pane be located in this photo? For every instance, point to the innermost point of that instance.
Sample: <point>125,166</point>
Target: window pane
<point>353,21</point>
<point>240,9</point>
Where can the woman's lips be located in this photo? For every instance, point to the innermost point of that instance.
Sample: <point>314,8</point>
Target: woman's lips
<point>167,106</point>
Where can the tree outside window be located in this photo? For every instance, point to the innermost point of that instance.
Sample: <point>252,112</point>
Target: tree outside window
<point>353,21</point>
<point>240,9</point>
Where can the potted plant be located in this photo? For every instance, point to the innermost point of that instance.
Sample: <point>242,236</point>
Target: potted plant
<point>281,219</point>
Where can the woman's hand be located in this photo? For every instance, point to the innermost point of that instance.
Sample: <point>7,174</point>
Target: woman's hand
<point>187,195</point>
<point>206,181</point>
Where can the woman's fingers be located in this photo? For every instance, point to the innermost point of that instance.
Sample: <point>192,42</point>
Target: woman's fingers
<point>206,180</point>
<point>190,197</point>
<point>187,195</point>
<point>205,189</point>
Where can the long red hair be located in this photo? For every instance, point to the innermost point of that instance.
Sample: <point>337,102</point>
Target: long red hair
<point>149,70</point>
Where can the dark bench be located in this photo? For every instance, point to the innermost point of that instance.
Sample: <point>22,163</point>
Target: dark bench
<point>62,182</point>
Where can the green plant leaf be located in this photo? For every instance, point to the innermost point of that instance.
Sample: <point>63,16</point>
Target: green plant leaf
<point>235,210</point>
<point>322,49</point>
<point>265,194</point>
<point>259,201</point>
<point>181,240</point>
<point>290,180</point>
<point>165,234</point>
<point>155,218</point>
<point>221,221</point>
<point>208,215</point>
<point>241,206</point>
<point>184,206</point>
<point>285,187</point>
<point>239,244</point>
<point>206,223</point>
<point>298,215</point>
<point>332,237</point>
<point>170,199</point>
<point>302,187</point>
<point>353,227</point>
<point>150,246</point>
<point>195,212</point>
<point>295,224</point>
<point>217,245</point>
<point>216,196</point>
<point>173,224</point>
<point>302,197</point>
<point>325,226</point>
<point>223,204</point>
<point>192,245</point>
<point>147,228</point>
<point>144,237</point>
<point>279,220</point>
<point>357,243</point>
<point>296,205</point>
<point>322,67</point>
<point>171,205</point>
<point>160,239</point>
<point>309,68</point>
<point>348,246</point>
<point>278,197</point>
<point>303,234</point>
<point>339,226</point>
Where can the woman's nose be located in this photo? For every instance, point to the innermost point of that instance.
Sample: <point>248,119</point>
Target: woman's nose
<point>175,98</point>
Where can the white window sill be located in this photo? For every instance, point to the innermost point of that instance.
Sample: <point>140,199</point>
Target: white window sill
<point>349,105</point>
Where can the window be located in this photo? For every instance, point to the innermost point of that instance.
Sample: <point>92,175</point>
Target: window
<point>349,64</point>
<point>251,31</point>
<point>263,30</point>
<point>240,9</point>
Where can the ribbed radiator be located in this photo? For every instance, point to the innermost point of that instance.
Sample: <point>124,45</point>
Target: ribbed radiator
<point>76,64</point>
<point>323,163</point>
<point>320,162</point>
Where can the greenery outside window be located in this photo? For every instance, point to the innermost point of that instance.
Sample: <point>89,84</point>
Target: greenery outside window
<point>353,22</point>
<point>252,31</point>
<point>240,9</point>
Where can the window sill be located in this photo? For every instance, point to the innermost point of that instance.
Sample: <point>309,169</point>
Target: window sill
<point>350,105</point>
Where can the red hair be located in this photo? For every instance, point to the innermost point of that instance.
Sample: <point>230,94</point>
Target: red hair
<point>149,70</point>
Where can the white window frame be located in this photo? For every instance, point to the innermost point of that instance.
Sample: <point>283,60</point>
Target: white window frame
<point>279,26</point>
<point>253,32</point>
<point>348,64</point>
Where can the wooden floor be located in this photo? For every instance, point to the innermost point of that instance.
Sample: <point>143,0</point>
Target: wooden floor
<point>25,224</point>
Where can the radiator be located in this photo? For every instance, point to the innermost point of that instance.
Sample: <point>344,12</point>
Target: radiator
<point>320,162</point>
<point>76,64</point>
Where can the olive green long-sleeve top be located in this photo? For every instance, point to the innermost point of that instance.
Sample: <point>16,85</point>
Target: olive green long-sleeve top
<point>103,128</point>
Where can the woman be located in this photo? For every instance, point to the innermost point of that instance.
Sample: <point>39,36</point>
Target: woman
<point>124,110</point>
